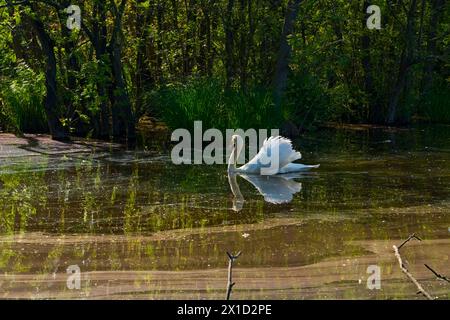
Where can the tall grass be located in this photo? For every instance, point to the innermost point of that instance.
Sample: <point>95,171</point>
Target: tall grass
<point>21,101</point>
<point>206,100</point>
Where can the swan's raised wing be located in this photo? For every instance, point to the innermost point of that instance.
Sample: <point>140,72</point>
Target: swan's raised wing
<point>283,146</point>
<point>275,189</point>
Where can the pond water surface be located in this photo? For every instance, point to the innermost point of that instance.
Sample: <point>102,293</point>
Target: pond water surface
<point>138,226</point>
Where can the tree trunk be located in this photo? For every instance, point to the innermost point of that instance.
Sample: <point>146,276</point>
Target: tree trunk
<point>57,131</point>
<point>209,50</point>
<point>99,42</point>
<point>243,45</point>
<point>375,113</point>
<point>72,67</point>
<point>122,115</point>
<point>405,62</point>
<point>436,11</point>
<point>143,78</point>
<point>229,44</point>
<point>251,57</point>
<point>284,54</point>
<point>189,53</point>
<point>202,61</point>
<point>160,8</point>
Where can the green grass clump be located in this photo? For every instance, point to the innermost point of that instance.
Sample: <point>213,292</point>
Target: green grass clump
<point>21,102</point>
<point>206,100</point>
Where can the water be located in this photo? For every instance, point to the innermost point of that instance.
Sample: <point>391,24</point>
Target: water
<point>140,227</point>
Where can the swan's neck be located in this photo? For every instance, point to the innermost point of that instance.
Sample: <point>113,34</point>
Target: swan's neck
<point>233,159</point>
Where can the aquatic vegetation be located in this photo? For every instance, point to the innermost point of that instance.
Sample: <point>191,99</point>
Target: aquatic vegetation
<point>206,100</point>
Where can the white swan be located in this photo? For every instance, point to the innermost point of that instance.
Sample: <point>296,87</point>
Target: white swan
<point>286,153</point>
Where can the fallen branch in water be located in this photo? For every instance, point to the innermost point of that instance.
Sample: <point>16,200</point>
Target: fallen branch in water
<point>231,284</point>
<point>409,275</point>
<point>413,236</point>
<point>439,276</point>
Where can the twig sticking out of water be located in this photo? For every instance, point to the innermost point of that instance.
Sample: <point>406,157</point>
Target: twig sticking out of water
<point>439,276</point>
<point>409,275</point>
<point>231,284</point>
<point>413,236</point>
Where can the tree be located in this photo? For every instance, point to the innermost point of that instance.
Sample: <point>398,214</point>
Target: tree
<point>51,98</point>
<point>284,53</point>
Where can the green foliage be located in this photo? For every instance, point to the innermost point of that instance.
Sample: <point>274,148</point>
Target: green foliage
<point>307,102</point>
<point>207,100</point>
<point>22,101</point>
<point>436,103</point>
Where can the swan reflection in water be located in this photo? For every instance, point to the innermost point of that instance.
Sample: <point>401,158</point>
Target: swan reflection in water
<point>277,189</point>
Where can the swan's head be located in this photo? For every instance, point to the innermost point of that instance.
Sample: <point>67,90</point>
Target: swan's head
<point>234,141</point>
<point>237,143</point>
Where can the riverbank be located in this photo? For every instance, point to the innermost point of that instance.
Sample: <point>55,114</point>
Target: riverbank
<point>42,144</point>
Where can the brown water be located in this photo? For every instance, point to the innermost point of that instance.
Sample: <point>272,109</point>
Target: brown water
<point>140,227</point>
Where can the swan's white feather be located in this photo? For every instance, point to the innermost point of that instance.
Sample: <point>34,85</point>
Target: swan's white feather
<point>282,145</point>
<point>271,146</point>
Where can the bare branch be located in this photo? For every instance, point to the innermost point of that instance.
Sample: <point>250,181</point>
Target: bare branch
<point>231,284</point>
<point>439,276</point>
<point>409,275</point>
<point>413,236</point>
